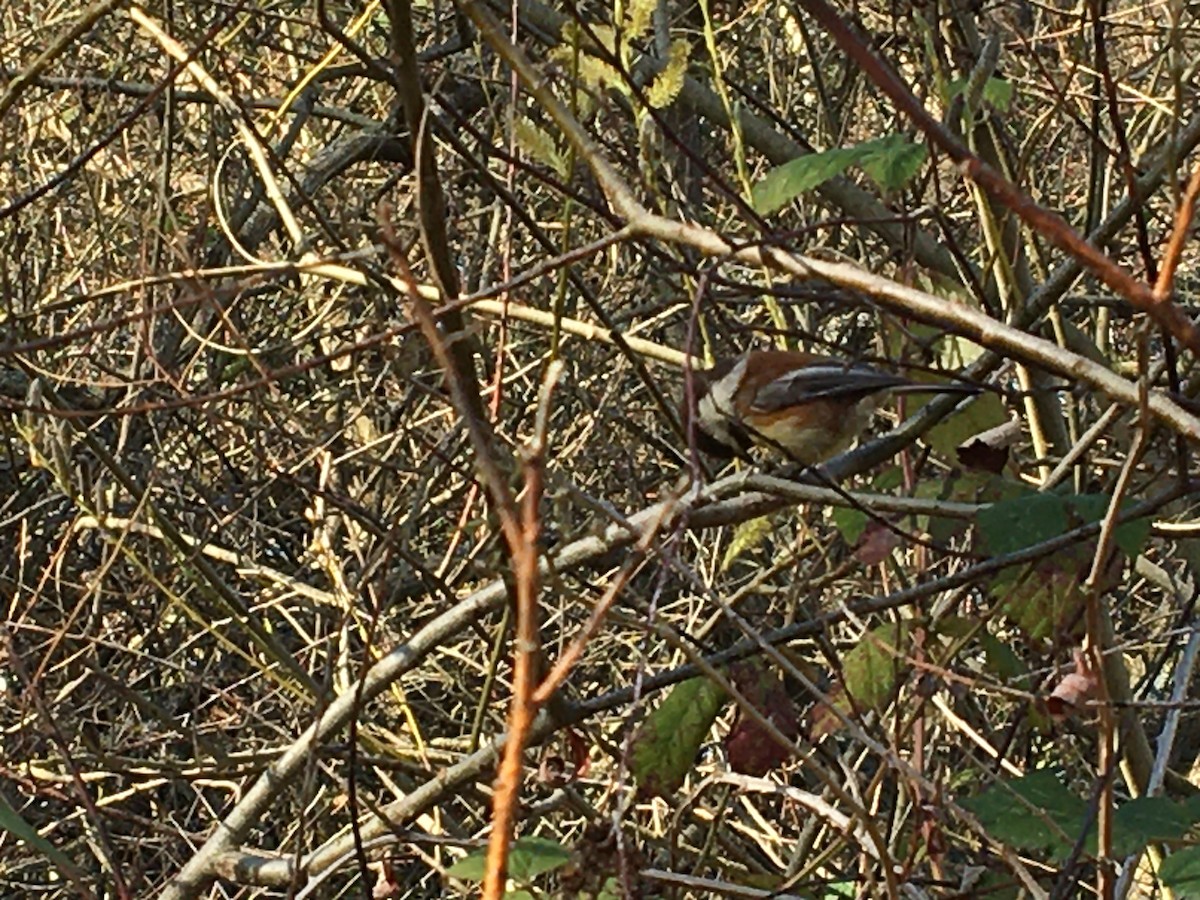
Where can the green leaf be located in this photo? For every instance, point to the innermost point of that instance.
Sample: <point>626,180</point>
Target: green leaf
<point>12,822</point>
<point>850,522</point>
<point>984,412</point>
<point>1012,525</point>
<point>1044,597</point>
<point>888,479</point>
<point>836,890</point>
<point>1001,660</point>
<point>957,626</point>
<point>528,858</point>
<point>997,91</point>
<point>1181,872</point>
<point>665,745</point>
<point>983,487</point>
<point>531,856</point>
<point>942,529</point>
<point>784,183</point>
<point>519,895</point>
<point>871,668</point>
<point>471,867</point>
<point>1146,820</point>
<point>892,161</point>
<point>1192,805</point>
<point>1089,507</point>
<point>1035,812</point>
<point>1130,536</point>
<point>746,537</point>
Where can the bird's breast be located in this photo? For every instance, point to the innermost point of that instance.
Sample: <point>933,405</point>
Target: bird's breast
<point>813,432</point>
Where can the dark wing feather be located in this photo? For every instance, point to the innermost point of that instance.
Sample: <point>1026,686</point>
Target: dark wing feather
<point>824,381</point>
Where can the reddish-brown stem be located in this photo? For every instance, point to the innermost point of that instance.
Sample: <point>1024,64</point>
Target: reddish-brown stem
<point>1183,223</point>
<point>520,529</point>
<point>523,708</point>
<point>527,656</point>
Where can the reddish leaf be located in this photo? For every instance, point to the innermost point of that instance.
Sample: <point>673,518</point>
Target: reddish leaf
<point>932,835</point>
<point>824,719</point>
<point>752,751</point>
<point>877,544</point>
<point>580,755</point>
<point>1075,689</point>
<point>751,748</point>
<point>978,455</point>
<point>552,770</point>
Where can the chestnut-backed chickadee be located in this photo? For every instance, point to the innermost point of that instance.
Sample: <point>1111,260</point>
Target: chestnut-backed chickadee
<point>806,406</point>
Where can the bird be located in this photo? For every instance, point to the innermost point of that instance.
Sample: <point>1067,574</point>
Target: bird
<point>807,406</point>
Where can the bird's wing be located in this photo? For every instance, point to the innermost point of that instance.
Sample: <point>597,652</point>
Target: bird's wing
<point>824,381</point>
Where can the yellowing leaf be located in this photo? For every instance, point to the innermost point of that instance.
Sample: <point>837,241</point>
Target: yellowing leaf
<point>597,72</point>
<point>870,669</point>
<point>746,537</point>
<point>592,71</point>
<point>669,82</point>
<point>791,31</point>
<point>607,36</point>
<point>956,352</point>
<point>538,143</point>
<point>870,673</point>
<point>638,18</point>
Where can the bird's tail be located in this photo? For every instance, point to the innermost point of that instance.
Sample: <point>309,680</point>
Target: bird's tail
<point>948,387</point>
